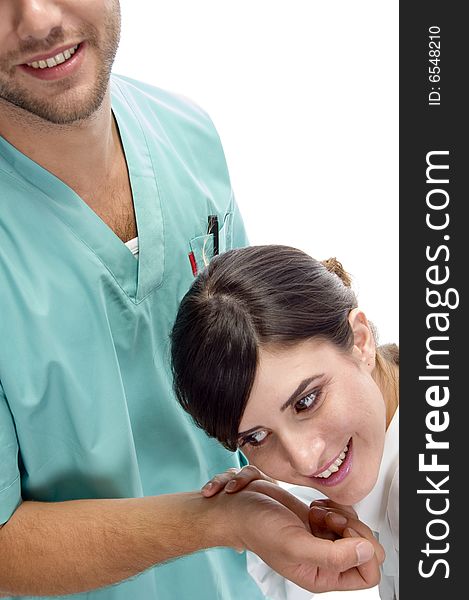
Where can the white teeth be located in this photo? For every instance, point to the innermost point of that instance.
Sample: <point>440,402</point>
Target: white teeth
<point>334,467</point>
<point>54,60</point>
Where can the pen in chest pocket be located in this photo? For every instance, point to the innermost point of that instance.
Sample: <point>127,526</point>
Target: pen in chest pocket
<point>213,230</point>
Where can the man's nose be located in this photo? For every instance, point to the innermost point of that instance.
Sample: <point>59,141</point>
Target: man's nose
<point>37,18</point>
<point>304,452</point>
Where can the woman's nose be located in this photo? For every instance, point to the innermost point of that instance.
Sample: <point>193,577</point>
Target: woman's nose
<point>37,18</point>
<point>304,453</point>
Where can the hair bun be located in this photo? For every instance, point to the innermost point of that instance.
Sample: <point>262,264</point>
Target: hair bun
<point>335,266</point>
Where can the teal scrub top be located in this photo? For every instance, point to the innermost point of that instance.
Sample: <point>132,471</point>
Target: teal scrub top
<point>86,403</point>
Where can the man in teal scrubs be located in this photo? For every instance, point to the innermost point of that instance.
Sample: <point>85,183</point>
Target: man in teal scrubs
<point>96,457</point>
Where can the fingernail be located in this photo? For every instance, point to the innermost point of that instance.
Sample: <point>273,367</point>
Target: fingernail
<point>207,487</point>
<point>230,485</point>
<point>337,519</point>
<point>365,551</point>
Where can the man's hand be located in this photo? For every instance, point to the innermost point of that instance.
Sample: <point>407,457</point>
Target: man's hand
<point>81,545</point>
<point>330,520</point>
<point>327,519</point>
<point>267,520</point>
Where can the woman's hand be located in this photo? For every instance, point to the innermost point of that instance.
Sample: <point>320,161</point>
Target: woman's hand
<point>233,480</point>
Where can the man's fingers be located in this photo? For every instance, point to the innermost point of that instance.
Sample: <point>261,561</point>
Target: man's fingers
<point>359,529</point>
<point>329,524</point>
<point>335,556</point>
<point>321,565</point>
<point>337,524</point>
<point>368,571</point>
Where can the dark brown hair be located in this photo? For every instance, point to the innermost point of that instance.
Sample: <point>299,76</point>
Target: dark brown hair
<point>245,299</point>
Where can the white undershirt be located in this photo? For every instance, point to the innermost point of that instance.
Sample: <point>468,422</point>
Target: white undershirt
<point>132,245</point>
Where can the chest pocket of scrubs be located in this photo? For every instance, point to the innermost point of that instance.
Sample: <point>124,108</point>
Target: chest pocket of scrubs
<point>202,246</point>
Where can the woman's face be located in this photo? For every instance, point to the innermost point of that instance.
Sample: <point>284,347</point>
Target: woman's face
<point>316,417</point>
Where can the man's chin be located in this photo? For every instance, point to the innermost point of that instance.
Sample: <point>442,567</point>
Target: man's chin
<point>59,112</point>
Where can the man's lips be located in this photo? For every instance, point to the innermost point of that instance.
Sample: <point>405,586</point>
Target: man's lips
<point>49,54</point>
<point>56,67</point>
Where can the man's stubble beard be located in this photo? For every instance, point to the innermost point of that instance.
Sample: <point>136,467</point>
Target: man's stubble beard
<point>67,106</point>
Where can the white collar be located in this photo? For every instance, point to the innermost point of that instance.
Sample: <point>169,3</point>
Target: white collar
<point>372,509</point>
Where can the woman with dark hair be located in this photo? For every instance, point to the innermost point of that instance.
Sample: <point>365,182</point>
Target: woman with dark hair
<point>271,355</point>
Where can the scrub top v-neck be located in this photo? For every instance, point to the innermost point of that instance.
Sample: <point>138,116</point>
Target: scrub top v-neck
<point>86,402</point>
<point>137,279</point>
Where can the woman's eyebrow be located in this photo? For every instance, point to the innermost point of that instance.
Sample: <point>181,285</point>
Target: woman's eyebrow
<point>302,386</point>
<point>299,390</point>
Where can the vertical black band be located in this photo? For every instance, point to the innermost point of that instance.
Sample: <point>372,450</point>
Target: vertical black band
<point>434,50</point>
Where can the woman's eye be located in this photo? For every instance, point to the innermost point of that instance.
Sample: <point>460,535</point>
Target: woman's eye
<point>306,402</point>
<point>255,439</point>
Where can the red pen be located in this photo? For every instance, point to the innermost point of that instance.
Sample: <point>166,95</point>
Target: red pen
<point>193,263</point>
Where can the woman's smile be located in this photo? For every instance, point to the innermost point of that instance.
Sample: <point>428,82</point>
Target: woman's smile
<point>337,469</point>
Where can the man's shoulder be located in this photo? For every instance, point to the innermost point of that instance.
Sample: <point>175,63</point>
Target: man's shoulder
<point>150,97</point>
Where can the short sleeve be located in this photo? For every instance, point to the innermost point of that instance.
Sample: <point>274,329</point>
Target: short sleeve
<point>10,489</point>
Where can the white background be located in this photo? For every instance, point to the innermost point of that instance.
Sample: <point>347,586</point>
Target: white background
<point>304,94</point>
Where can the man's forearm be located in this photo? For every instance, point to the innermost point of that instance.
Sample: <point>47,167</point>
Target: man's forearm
<point>70,547</point>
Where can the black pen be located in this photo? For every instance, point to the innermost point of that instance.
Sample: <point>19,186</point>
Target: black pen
<point>213,229</point>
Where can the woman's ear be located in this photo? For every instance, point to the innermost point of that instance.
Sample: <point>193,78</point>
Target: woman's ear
<point>364,347</point>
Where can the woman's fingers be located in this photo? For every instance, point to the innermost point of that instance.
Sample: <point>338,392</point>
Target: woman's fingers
<point>234,480</point>
<point>342,508</point>
<point>244,478</point>
<point>217,483</point>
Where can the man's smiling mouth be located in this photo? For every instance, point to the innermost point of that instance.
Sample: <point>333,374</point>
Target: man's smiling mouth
<point>53,61</point>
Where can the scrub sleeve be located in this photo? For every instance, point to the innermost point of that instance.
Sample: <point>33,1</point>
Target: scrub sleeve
<point>10,493</point>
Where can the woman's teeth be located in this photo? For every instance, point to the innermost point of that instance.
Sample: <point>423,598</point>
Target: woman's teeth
<point>54,60</point>
<point>335,465</point>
